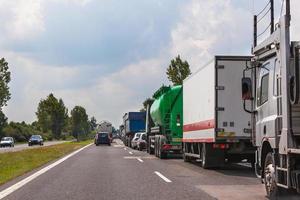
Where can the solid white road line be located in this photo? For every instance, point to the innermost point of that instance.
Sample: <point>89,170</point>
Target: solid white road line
<point>140,160</point>
<point>23,182</point>
<point>163,177</point>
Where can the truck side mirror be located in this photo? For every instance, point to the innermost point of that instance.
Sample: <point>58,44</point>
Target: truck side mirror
<point>246,88</point>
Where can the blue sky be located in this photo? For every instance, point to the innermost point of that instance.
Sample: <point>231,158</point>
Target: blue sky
<point>110,55</point>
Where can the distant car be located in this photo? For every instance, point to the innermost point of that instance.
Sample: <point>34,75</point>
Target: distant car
<point>134,140</point>
<point>102,138</point>
<point>35,139</point>
<point>7,142</point>
<point>142,142</point>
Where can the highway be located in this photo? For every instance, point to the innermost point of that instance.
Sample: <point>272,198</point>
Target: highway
<point>115,172</point>
<point>19,147</point>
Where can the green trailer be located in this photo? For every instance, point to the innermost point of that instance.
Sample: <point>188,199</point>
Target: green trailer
<point>164,122</point>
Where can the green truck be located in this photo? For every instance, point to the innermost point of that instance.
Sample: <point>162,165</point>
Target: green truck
<point>164,122</point>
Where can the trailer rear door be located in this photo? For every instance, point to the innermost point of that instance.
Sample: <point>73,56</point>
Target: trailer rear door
<point>232,122</point>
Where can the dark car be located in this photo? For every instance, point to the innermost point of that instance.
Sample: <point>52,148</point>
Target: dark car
<point>102,138</point>
<point>36,139</point>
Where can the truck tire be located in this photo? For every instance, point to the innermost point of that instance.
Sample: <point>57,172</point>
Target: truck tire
<point>185,158</point>
<point>156,146</point>
<point>161,154</point>
<point>212,157</point>
<point>204,156</point>
<point>270,177</point>
<point>149,150</point>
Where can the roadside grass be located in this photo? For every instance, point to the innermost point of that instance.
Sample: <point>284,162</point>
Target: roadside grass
<point>14,164</point>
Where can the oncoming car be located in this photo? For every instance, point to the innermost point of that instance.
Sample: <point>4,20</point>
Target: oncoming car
<point>7,142</point>
<point>36,139</point>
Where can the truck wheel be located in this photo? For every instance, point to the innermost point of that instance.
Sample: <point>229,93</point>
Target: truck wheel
<point>162,154</point>
<point>185,158</point>
<point>155,147</point>
<point>270,177</point>
<point>204,156</point>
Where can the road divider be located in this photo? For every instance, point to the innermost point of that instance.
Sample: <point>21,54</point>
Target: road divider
<point>23,182</point>
<point>162,177</point>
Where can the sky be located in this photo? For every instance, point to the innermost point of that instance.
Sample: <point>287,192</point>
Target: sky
<point>110,55</point>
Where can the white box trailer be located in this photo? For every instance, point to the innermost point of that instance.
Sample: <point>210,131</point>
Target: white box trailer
<point>105,126</point>
<point>215,126</point>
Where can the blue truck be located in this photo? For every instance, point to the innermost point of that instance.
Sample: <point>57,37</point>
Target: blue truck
<point>133,122</point>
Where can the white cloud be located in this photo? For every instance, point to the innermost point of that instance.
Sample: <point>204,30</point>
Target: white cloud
<point>76,2</point>
<point>108,97</point>
<point>211,27</point>
<point>205,28</point>
<point>125,90</point>
<point>21,19</point>
<point>30,82</point>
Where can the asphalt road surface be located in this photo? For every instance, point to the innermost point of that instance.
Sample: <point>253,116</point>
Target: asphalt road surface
<point>115,172</point>
<point>19,147</point>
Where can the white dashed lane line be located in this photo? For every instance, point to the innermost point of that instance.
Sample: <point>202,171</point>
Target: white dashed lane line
<point>140,160</point>
<point>162,177</point>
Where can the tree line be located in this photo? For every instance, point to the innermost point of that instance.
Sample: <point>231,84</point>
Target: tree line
<point>53,119</point>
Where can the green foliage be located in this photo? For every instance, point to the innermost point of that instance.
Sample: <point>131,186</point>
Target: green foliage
<point>4,80</point>
<point>52,115</point>
<point>3,123</point>
<point>4,91</point>
<point>80,122</point>
<point>21,132</point>
<point>93,123</point>
<point>178,70</point>
<point>146,102</point>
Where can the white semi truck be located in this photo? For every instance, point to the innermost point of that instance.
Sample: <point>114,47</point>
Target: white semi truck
<point>215,127</point>
<point>273,89</point>
<point>105,126</point>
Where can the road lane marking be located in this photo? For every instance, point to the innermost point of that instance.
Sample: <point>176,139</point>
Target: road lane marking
<point>130,152</point>
<point>23,182</point>
<point>140,160</point>
<point>141,157</point>
<point>125,148</point>
<point>163,177</point>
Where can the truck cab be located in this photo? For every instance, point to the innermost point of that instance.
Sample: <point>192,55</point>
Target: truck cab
<point>272,87</point>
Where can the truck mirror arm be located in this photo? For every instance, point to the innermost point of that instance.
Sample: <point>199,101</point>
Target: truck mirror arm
<point>246,110</point>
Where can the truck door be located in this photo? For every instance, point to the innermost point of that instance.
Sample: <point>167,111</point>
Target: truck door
<point>266,102</point>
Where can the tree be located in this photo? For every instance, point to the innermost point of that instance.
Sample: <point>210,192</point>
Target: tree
<point>3,123</point>
<point>93,123</point>
<point>4,91</point>
<point>178,70</point>
<point>146,102</point>
<point>4,80</point>
<point>52,115</point>
<point>80,122</point>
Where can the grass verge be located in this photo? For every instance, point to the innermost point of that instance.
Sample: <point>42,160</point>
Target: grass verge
<point>14,164</point>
